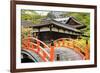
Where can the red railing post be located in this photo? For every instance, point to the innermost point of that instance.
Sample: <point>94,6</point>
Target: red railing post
<point>87,54</point>
<point>52,52</point>
<point>28,43</point>
<point>44,54</point>
<point>73,43</point>
<point>32,46</point>
<point>38,49</point>
<point>58,43</point>
<point>63,42</point>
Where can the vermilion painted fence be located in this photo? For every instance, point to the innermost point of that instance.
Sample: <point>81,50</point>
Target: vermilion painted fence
<point>40,47</point>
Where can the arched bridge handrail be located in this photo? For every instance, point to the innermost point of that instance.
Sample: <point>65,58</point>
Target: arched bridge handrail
<point>36,40</point>
<point>72,40</point>
<point>46,54</point>
<point>73,47</point>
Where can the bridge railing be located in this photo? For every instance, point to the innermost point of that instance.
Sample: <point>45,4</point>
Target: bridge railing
<point>39,47</point>
<point>82,49</point>
<point>35,45</point>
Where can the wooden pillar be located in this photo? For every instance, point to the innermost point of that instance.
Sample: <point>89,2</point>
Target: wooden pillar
<point>38,33</point>
<point>58,29</point>
<point>58,57</point>
<point>51,37</point>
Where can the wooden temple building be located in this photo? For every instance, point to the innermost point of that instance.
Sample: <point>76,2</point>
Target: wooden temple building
<point>52,29</point>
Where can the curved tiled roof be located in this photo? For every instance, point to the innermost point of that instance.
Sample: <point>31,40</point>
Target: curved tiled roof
<point>56,22</point>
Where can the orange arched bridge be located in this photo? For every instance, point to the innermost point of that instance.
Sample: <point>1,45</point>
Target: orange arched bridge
<point>41,49</point>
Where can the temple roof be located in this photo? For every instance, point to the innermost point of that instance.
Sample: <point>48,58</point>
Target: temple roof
<point>69,23</point>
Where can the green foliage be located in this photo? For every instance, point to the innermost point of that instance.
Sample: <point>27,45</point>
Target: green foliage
<point>30,15</point>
